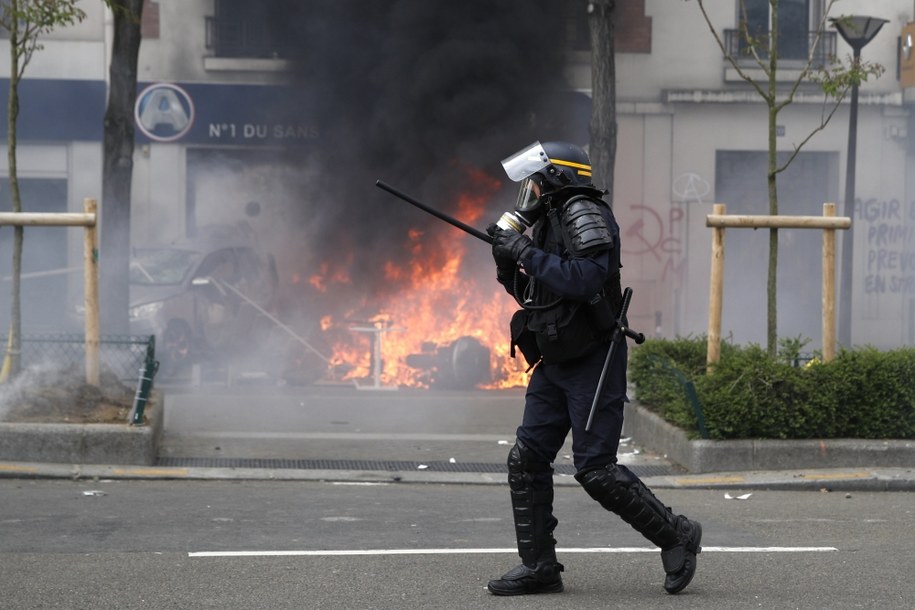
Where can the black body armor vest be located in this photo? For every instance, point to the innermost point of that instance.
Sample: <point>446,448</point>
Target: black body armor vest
<point>566,329</point>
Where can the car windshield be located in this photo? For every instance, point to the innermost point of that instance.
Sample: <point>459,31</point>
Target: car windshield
<point>155,266</point>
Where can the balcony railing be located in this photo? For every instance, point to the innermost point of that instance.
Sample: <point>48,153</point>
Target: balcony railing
<point>791,49</point>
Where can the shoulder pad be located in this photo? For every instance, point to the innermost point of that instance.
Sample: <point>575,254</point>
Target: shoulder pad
<point>585,227</point>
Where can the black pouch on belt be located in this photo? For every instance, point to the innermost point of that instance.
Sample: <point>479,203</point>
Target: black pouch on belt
<point>524,339</point>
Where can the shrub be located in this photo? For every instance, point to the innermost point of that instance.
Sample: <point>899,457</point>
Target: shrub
<point>864,393</point>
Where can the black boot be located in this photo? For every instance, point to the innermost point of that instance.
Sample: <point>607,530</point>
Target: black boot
<point>680,561</point>
<point>531,485</point>
<point>620,491</point>
<point>521,580</point>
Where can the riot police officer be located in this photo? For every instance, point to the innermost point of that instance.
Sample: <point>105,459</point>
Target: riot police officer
<point>566,277</point>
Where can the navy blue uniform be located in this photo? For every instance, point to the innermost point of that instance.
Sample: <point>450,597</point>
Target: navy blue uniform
<point>559,396</point>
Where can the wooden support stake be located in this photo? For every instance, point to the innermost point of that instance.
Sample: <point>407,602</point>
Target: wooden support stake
<point>90,278</point>
<point>90,275</point>
<point>829,286</point>
<point>716,283</point>
<point>738,221</point>
<point>718,221</point>
<point>47,219</point>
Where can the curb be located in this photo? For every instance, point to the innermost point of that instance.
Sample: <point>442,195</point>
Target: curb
<point>84,443</point>
<point>824,480</point>
<point>705,456</point>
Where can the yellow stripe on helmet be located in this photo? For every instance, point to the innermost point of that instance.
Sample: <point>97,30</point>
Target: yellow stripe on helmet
<point>571,164</point>
<point>583,170</point>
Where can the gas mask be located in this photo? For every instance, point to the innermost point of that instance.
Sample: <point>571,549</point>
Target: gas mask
<point>527,209</point>
<point>524,167</point>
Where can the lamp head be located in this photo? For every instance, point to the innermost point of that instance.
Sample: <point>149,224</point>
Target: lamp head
<point>857,30</point>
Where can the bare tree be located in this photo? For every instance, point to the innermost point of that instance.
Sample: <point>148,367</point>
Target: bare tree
<point>25,21</point>
<point>603,128</point>
<point>836,80</point>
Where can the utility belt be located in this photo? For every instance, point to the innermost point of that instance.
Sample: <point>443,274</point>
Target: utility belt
<point>563,333</point>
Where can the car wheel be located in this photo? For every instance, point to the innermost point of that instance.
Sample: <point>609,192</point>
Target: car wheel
<point>175,350</point>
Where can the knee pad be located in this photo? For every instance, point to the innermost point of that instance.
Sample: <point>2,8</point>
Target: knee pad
<point>607,484</point>
<point>522,460</point>
<point>524,466</point>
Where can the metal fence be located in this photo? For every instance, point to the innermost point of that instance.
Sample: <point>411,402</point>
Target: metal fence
<point>130,358</point>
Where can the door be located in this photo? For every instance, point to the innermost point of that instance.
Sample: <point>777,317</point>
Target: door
<point>740,183</point>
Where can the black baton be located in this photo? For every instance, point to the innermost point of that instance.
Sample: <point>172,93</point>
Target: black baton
<point>438,214</point>
<point>619,334</point>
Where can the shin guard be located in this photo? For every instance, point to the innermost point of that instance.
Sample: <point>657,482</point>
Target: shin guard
<point>531,486</point>
<point>618,490</point>
<point>621,492</point>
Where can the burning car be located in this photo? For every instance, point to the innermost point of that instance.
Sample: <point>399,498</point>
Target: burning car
<point>201,298</point>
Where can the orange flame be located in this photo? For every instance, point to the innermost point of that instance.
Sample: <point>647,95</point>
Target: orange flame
<point>438,302</point>
<point>325,275</point>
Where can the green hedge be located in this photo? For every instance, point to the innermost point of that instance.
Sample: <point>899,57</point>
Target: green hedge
<point>862,393</point>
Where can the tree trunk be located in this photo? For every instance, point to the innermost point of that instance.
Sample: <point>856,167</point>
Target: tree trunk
<point>13,355</point>
<point>772,275</point>
<point>601,22</point>
<point>772,183</point>
<point>118,167</point>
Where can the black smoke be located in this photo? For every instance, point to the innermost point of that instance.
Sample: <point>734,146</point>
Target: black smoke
<point>416,93</point>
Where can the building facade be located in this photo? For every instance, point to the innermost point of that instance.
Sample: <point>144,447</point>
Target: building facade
<point>212,144</point>
<point>692,133</point>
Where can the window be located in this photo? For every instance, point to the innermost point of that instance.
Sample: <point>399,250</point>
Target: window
<point>793,25</point>
<point>794,30</point>
<point>262,29</point>
<point>632,28</point>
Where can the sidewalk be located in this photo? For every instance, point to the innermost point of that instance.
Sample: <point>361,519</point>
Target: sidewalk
<point>334,434</point>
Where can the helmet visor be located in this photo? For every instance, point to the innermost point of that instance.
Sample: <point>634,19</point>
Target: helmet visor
<point>528,196</point>
<point>525,162</point>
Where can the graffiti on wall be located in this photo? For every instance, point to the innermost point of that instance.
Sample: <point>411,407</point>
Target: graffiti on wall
<point>890,253</point>
<point>691,188</point>
<point>655,231</point>
<point>655,234</point>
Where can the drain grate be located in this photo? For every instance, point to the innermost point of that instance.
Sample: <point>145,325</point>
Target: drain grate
<point>386,465</point>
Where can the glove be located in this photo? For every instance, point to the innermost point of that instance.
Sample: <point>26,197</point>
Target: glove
<point>503,264</point>
<point>509,246</point>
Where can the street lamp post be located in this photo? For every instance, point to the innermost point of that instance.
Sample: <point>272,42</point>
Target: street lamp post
<point>857,31</point>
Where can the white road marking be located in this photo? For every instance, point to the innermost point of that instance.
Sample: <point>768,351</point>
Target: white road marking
<point>340,436</point>
<point>375,552</point>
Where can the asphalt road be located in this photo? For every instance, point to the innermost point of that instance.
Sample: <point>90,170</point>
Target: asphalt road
<point>129,544</point>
